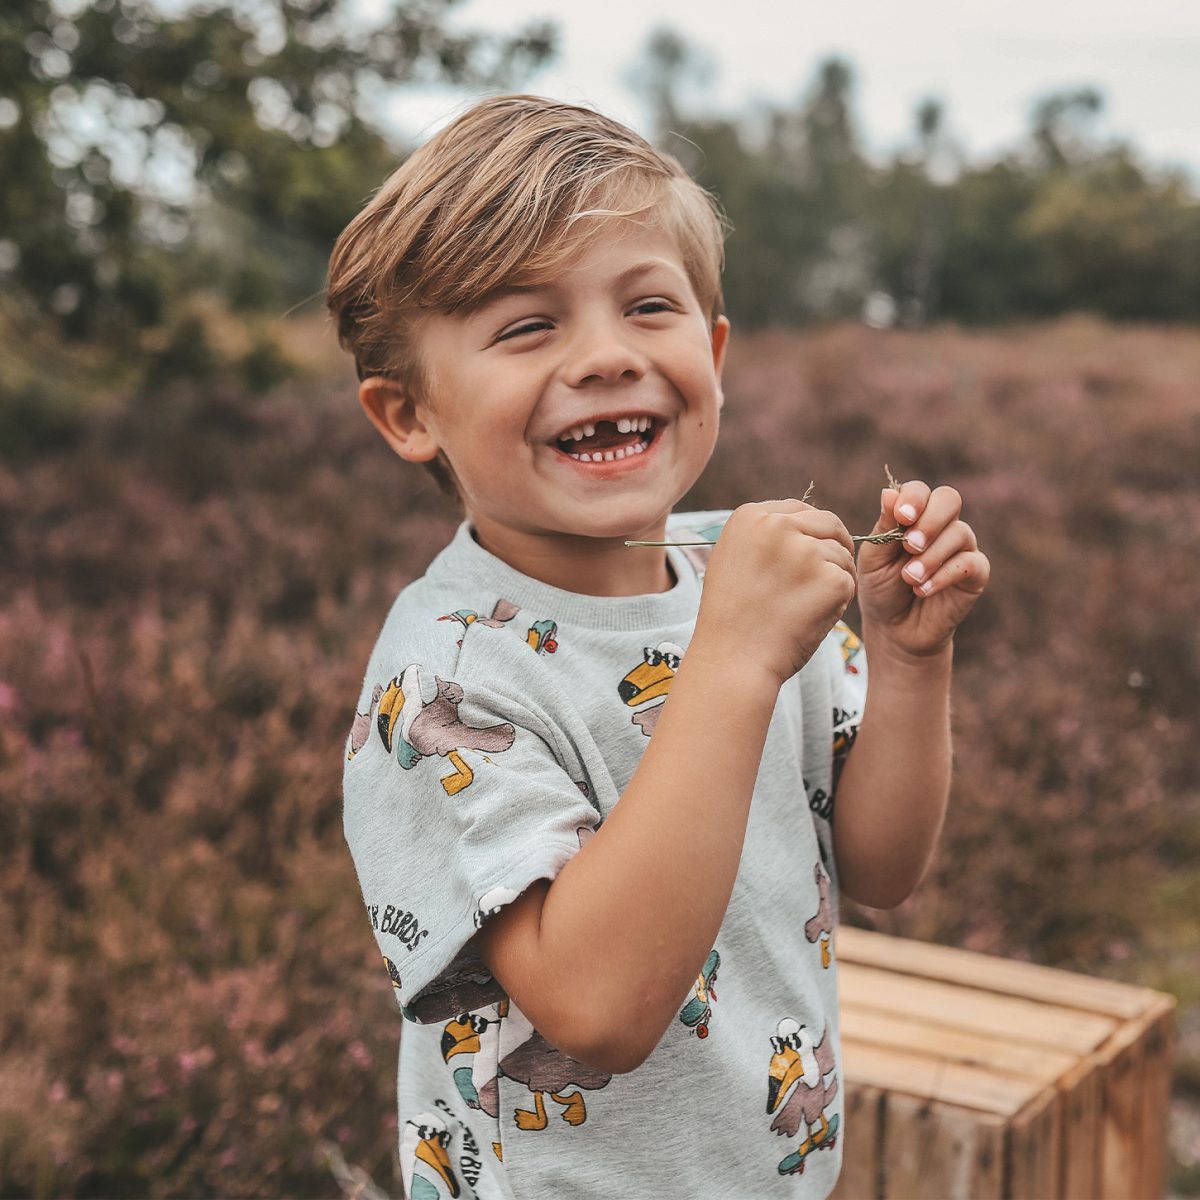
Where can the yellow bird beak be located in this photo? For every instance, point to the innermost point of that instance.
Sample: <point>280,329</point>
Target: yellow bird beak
<point>786,1068</point>
<point>434,1153</point>
<point>390,705</point>
<point>645,682</point>
<point>459,1038</point>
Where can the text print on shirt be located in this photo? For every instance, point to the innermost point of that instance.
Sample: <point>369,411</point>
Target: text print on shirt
<point>399,923</point>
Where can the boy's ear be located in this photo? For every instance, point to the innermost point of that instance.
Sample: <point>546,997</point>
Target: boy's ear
<point>720,340</point>
<point>398,418</point>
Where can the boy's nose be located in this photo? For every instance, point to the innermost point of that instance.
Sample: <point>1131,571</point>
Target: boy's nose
<point>603,355</point>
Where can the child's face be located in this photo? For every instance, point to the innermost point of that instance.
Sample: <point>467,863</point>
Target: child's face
<point>615,347</point>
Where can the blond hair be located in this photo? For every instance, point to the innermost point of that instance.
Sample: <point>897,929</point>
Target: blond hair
<point>495,198</point>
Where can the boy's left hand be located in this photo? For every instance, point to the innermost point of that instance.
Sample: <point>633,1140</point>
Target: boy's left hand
<point>914,593</point>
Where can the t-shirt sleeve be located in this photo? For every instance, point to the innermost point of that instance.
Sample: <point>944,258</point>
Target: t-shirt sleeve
<point>848,672</point>
<point>459,793</point>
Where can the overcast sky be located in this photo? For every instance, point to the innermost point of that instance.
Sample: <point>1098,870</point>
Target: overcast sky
<point>987,60</point>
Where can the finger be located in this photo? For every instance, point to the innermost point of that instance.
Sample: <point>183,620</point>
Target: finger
<point>788,504</point>
<point>941,509</point>
<point>950,541</point>
<point>968,571</point>
<point>842,556</point>
<point>911,501</point>
<point>887,513</point>
<point>821,523</point>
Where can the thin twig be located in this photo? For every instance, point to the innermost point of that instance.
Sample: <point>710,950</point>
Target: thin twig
<point>702,542</point>
<point>879,539</point>
<point>874,539</point>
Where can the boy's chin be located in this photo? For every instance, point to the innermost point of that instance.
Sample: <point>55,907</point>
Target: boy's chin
<point>640,515</point>
<point>620,526</point>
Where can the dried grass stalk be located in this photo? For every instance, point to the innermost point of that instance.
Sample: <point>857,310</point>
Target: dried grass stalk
<point>874,539</point>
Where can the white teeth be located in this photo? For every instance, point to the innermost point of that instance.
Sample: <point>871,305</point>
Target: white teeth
<point>611,455</point>
<point>623,424</point>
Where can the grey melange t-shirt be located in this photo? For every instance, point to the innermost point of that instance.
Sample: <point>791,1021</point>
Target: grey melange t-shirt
<point>499,722</point>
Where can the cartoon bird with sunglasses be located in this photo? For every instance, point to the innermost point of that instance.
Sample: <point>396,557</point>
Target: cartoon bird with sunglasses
<point>645,687</point>
<point>425,1144</point>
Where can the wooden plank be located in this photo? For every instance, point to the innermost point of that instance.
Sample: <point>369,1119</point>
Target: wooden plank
<point>1158,1046</point>
<point>994,1051</point>
<point>1121,1084</point>
<point>1050,985</point>
<point>936,1152</point>
<point>928,1079</point>
<point>1034,1149</point>
<point>862,1148</point>
<point>957,1007</point>
<point>1082,1105</point>
<point>1134,1073</point>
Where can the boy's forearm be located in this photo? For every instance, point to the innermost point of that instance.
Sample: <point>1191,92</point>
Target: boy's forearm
<point>892,794</point>
<point>630,920</point>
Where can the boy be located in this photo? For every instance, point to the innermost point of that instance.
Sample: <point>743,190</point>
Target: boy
<point>533,303</point>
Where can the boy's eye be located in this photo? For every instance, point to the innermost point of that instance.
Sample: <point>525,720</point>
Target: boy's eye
<point>653,306</point>
<point>526,327</point>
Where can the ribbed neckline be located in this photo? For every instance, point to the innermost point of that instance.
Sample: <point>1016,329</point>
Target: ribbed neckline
<point>464,557</point>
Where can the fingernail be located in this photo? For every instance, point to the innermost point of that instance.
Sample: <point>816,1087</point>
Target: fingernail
<point>907,510</point>
<point>915,571</point>
<point>926,587</point>
<point>915,538</point>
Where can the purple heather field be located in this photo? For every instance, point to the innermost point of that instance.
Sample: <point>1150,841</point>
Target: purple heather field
<point>192,1002</point>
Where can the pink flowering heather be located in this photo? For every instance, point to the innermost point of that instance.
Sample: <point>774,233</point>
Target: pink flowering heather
<point>191,1002</point>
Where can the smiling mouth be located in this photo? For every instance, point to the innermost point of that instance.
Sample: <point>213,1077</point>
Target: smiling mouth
<point>608,441</point>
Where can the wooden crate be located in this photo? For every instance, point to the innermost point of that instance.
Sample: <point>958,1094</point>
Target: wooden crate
<point>978,1077</point>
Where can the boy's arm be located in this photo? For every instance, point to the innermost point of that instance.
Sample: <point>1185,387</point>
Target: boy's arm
<point>600,959</point>
<point>892,793</point>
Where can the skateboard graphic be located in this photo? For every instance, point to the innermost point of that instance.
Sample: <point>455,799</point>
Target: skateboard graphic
<point>697,1012</point>
<point>794,1163</point>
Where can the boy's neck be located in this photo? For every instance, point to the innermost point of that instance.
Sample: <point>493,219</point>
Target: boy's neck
<point>586,565</point>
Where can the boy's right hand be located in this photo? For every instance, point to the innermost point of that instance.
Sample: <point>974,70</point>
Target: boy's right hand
<point>781,575</point>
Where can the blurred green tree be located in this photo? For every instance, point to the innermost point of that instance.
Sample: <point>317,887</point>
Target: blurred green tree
<point>1064,126</point>
<point>1065,221</point>
<point>121,121</point>
<point>668,74</point>
<point>792,182</point>
<point>909,208</point>
<point>1111,238</point>
<point>1073,223</point>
